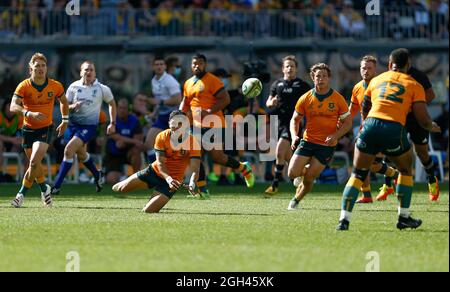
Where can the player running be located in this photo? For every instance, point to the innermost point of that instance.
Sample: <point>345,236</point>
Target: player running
<point>85,97</point>
<point>327,120</point>
<point>420,136</point>
<point>284,94</point>
<point>368,71</point>
<point>174,153</point>
<point>166,98</point>
<point>34,98</point>
<point>204,99</point>
<point>389,97</point>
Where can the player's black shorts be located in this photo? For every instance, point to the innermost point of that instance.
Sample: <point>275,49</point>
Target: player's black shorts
<point>387,137</point>
<point>321,152</point>
<point>31,136</point>
<point>418,134</point>
<point>284,132</point>
<point>149,176</point>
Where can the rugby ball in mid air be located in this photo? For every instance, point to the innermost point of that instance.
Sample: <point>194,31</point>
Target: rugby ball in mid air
<point>251,87</point>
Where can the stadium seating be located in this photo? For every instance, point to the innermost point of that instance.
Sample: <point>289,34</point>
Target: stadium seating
<point>14,156</point>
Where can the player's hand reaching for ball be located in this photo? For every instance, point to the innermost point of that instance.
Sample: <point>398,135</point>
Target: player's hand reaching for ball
<point>173,183</point>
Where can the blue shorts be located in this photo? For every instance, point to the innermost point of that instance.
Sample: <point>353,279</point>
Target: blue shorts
<point>85,133</point>
<point>162,122</point>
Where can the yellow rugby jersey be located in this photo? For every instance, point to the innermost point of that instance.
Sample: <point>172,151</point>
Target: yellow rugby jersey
<point>391,96</point>
<point>177,160</point>
<point>322,113</point>
<point>357,98</point>
<point>200,94</point>
<point>41,99</point>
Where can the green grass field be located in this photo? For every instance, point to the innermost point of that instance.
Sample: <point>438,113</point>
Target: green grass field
<point>236,230</point>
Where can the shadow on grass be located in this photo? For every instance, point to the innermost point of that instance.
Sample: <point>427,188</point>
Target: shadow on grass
<point>363,210</point>
<point>420,230</point>
<point>173,211</point>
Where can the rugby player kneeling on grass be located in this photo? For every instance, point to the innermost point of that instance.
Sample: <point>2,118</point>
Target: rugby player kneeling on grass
<point>175,149</point>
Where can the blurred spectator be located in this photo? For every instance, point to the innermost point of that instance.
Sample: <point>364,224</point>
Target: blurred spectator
<point>350,20</point>
<point>125,146</point>
<point>242,18</point>
<point>140,110</point>
<point>174,67</point>
<point>220,20</point>
<point>291,22</point>
<point>54,17</point>
<point>8,83</point>
<point>34,18</point>
<point>89,19</point>
<point>195,19</point>
<point>263,19</point>
<point>145,19</point>
<point>438,20</point>
<point>10,140</point>
<point>421,18</point>
<point>329,22</point>
<point>245,18</point>
<point>13,18</point>
<point>168,18</point>
<point>125,19</point>
<point>309,18</point>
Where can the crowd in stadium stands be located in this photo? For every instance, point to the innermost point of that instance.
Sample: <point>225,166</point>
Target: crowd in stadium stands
<point>256,18</point>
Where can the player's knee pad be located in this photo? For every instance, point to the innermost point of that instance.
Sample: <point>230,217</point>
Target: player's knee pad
<point>360,174</point>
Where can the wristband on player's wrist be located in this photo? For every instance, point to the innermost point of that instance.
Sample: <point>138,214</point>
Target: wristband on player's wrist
<point>169,180</point>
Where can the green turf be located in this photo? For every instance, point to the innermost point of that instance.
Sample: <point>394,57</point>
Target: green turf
<point>236,230</point>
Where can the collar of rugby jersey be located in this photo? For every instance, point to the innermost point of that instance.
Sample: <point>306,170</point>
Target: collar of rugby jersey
<point>197,78</point>
<point>161,78</point>
<point>365,84</point>
<point>39,87</point>
<point>322,97</point>
<point>93,83</point>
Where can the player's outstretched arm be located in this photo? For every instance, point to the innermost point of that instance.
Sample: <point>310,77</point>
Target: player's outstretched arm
<point>272,102</point>
<point>195,168</point>
<point>223,100</point>
<point>346,122</point>
<point>112,117</point>
<point>173,100</point>
<point>16,106</point>
<point>429,95</point>
<point>161,163</point>
<point>295,129</point>
<point>423,117</point>
<point>64,108</point>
